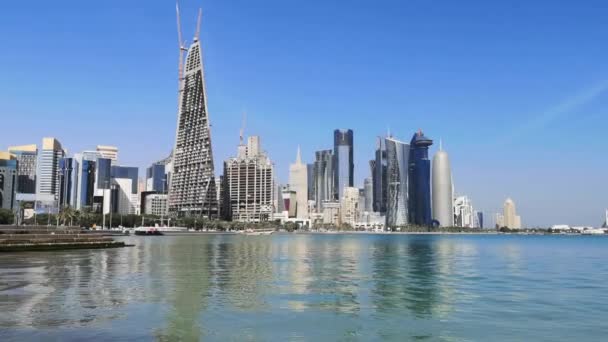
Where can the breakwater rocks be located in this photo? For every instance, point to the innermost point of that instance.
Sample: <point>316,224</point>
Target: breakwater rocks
<point>43,238</point>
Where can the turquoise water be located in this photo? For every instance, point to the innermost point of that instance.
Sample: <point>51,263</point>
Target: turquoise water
<point>312,288</point>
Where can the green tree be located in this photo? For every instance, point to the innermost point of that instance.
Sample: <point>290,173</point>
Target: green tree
<point>6,216</point>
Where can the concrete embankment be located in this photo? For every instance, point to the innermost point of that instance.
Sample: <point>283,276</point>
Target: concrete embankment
<point>43,238</point>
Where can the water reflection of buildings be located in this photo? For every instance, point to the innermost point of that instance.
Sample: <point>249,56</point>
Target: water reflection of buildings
<point>411,274</point>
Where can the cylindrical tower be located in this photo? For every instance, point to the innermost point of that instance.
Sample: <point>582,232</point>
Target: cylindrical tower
<point>443,211</point>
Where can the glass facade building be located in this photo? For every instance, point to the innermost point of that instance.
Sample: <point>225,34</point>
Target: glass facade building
<point>378,168</point>
<point>397,157</point>
<point>344,163</point>
<point>420,181</point>
<point>323,178</point>
<point>156,179</point>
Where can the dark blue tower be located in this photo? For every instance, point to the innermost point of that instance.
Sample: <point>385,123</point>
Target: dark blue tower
<point>420,181</point>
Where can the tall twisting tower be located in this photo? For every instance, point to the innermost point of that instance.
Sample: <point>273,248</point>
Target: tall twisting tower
<point>192,188</point>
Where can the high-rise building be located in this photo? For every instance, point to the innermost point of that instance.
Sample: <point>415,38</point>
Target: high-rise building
<point>511,219</point>
<point>464,214</point>
<point>108,152</point>
<point>368,193</point>
<point>156,204</point>
<point>349,206</point>
<point>344,162</point>
<point>298,182</point>
<point>310,173</point>
<point>67,182</point>
<point>84,171</point>
<point>124,190</point>
<point>8,180</point>
<point>323,178</point>
<point>397,156</point>
<point>192,188</point>
<point>605,225</point>
<point>156,178</point>
<point>249,184</point>
<point>479,215</point>
<point>420,180</point>
<point>26,156</point>
<point>47,180</point>
<point>442,198</point>
<point>378,168</point>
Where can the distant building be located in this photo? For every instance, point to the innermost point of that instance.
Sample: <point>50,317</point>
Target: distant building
<point>289,202</point>
<point>249,184</point>
<point>156,204</point>
<point>368,194</point>
<point>331,213</point>
<point>310,173</point>
<point>397,156</point>
<point>298,182</point>
<point>8,180</point>
<point>349,206</point>
<point>156,178</point>
<point>124,193</point>
<point>442,197</point>
<point>511,219</point>
<point>108,152</point>
<point>47,180</point>
<point>323,178</point>
<point>344,164</point>
<point>480,219</point>
<point>420,180</point>
<point>26,156</point>
<point>378,170</point>
<point>68,182</point>
<point>464,214</point>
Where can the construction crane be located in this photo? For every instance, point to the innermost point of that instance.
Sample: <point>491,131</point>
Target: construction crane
<point>181,44</point>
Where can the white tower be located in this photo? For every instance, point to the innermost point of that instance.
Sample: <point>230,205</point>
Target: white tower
<point>298,182</point>
<point>443,211</point>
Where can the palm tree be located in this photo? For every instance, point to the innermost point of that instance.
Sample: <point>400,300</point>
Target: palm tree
<point>66,214</point>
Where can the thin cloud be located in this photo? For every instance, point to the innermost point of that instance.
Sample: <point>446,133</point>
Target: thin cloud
<point>560,111</point>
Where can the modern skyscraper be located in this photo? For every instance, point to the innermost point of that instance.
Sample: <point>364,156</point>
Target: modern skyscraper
<point>511,219</point>
<point>368,192</point>
<point>26,156</point>
<point>108,152</point>
<point>47,184</point>
<point>192,188</point>
<point>249,184</point>
<point>156,178</point>
<point>124,192</point>
<point>85,169</point>
<point>397,157</point>
<point>378,167</point>
<point>420,180</point>
<point>323,178</point>
<point>67,182</point>
<point>298,182</point>
<point>442,198</point>
<point>310,173</point>
<point>344,163</point>
<point>480,219</point>
<point>464,214</point>
<point>8,180</point>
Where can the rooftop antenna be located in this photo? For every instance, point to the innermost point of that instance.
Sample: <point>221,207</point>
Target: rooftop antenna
<point>198,24</point>
<point>242,132</point>
<point>440,144</point>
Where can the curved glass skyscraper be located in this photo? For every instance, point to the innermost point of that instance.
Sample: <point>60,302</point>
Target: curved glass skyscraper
<point>420,180</point>
<point>397,161</point>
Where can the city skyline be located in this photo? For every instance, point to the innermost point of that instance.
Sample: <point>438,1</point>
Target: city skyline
<point>489,159</point>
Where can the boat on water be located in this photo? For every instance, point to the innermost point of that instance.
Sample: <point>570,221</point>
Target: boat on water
<point>257,232</point>
<point>147,231</point>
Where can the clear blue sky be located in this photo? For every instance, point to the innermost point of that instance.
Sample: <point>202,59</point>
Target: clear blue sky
<point>517,90</point>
